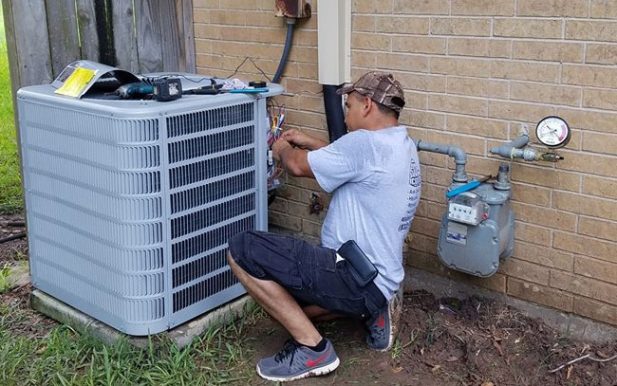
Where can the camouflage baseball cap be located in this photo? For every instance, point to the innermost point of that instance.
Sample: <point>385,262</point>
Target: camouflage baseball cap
<point>380,87</point>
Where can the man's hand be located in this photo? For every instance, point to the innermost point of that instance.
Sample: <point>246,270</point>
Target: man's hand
<point>303,141</point>
<point>281,145</point>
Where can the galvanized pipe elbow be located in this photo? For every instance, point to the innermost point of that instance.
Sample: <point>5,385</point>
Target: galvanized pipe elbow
<point>507,150</point>
<point>459,155</point>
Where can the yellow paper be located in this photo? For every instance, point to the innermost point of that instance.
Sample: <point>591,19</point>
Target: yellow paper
<point>77,82</point>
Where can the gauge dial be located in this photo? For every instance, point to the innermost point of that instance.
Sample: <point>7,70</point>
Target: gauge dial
<point>553,132</point>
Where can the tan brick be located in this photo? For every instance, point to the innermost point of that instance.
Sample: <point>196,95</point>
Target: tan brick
<point>423,243</point>
<point>362,23</point>
<point>306,183</point>
<point>479,47</point>
<point>424,119</point>
<point>595,310</point>
<point>586,246</point>
<point>227,18</point>
<point>437,176</point>
<point>402,25</point>
<point>599,186</point>
<point>532,233</point>
<point>524,70</point>
<point>432,159</point>
<point>580,285</point>
<point>421,82</point>
<point>472,145</point>
<point>530,194</point>
<point>600,99</point>
<point>548,51</point>
<point>206,3</point>
<point>419,44</point>
<point>363,59</point>
<point>461,66</point>
<point>425,261</point>
<point>603,9</point>
<point>517,111</point>
<point>477,126</point>
<point>435,193</point>
<point>284,220</point>
<point>546,93</point>
<point>303,37</point>
<point>308,71</point>
<point>370,6</point>
<point>598,228</point>
<point>478,165</point>
<point>241,50</point>
<point>240,4</point>
<point>597,269</point>
<point>540,294</point>
<point>414,63</point>
<point>370,41</point>
<point>425,226</point>
<point>306,119</point>
<point>496,283</point>
<point>601,54</point>
<point>265,19</point>
<point>521,269</point>
<point>588,163</point>
<point>591,30</point>
<point>420,7</point>
<point>311,228</point>
<point>544,216</point>
<point>528,28</point>
<point>586,75</point>
<point>483,7</point>
<point>458,104</point>
<point>570,8</point>
<point>600,143</point>
<point>417,100</point>
<point>462,26</point>
<point>589,119</point>
<point>590,206</point>
<point>544,255</point>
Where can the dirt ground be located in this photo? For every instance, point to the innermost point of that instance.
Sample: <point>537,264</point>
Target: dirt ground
<point>441,342</point>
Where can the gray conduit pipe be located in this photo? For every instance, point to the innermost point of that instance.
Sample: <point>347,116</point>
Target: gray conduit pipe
<point>459,155</point>
<point>514,149</point>
<point>291,23</point>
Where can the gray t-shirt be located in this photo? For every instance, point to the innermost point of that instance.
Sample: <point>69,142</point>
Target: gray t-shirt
<point>375,177</point>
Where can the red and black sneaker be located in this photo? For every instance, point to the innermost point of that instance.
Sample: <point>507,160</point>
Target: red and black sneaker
<point>383,327</point>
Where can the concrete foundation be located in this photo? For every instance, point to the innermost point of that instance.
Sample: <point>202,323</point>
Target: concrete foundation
<point>182,335</point>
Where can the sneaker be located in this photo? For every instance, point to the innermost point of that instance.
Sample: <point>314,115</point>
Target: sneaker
<point>383,327</point>
<point>296,361</point>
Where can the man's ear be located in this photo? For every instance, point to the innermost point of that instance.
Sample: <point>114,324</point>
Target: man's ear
<point>367,106</point>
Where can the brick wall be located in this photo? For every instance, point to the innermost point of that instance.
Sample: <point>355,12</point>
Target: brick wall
<point>474,72</point>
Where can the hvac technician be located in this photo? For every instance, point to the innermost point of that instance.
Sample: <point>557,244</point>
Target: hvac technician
<point>373,174</point>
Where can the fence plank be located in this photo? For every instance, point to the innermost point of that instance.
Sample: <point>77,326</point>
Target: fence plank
<point>125,39</point>
<point>185,19</point>
<point>63,39</point>
<point>32,55</point>
<point>148,36</point>
<point>171,45</point>
<point>88,38</point>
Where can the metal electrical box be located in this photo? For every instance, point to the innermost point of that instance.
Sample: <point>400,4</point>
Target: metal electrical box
<point>477,230</point>
<point>130,203</point>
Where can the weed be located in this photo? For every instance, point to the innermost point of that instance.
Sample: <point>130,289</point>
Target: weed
<point>4,278</point>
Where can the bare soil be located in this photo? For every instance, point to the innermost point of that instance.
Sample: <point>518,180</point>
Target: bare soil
<point>441,341</point>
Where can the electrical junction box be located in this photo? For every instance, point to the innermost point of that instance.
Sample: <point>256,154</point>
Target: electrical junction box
<point>477,231</point>
<point>130,203</point>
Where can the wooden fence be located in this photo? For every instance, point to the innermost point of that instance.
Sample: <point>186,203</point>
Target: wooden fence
<point>141,36</point>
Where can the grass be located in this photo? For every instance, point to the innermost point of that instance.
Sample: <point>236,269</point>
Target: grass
<point>10,180</point>
<point>65,357</point>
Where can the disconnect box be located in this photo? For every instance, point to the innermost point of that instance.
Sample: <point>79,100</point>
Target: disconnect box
<point>130,203</point>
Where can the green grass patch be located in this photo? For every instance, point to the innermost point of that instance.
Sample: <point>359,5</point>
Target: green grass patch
<point>11,200</point>
<point>66,357</point>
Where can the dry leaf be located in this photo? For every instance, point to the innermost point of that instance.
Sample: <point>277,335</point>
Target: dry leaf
<point>488,383</point>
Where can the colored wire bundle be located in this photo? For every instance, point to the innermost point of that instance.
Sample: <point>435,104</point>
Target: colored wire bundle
<point>276,115</point>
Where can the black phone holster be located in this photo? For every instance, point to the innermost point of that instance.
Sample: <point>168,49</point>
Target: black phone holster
<point>362,270</point>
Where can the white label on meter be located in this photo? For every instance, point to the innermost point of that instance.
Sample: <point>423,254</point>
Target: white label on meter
<point>456,233</point>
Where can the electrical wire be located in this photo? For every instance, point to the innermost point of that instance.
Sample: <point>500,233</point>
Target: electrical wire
<point>254,64</point>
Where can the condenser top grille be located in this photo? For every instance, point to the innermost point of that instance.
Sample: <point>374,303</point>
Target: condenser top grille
<point>210,119</point>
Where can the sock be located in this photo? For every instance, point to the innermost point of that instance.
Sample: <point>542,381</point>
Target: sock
<point>320,346</point>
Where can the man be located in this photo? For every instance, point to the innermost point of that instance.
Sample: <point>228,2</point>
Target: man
<point>374,176</point>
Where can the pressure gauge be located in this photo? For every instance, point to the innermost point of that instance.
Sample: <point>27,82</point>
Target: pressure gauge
<point>553,132</point>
